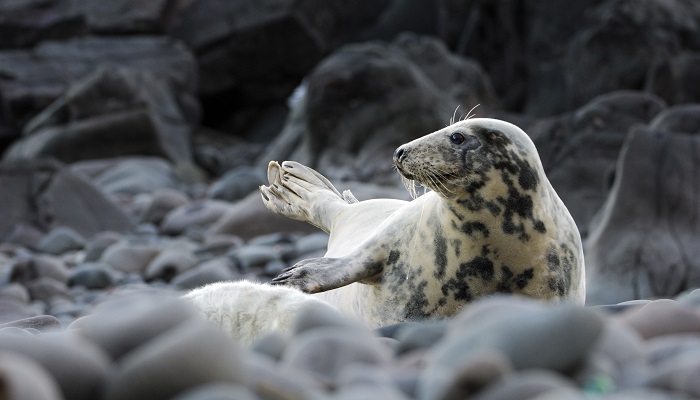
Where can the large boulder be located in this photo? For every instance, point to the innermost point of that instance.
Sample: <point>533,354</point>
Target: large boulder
<point>643,244</point>
<point>579,150</point>
<point>365,100</point>
<point>45,195</point>
<point>112,112</point>
<point>30,80</point>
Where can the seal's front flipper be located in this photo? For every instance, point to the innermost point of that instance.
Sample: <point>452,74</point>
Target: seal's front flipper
<point>321,274</point>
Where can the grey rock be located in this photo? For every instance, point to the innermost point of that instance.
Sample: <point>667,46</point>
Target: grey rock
<point>41,323</point>
<point>237,184</point>
<point>135,175</point>
<point>678,376</point>
<point>690,297</point>
<point>268,380</point>
<point>555,337</point>
<point>61,240</point>
<point>274,267</point>
<point>315,316</point>
<point>657,257</point>
<point>664,349</point>
<point>79,367</point>
<point>465,379</point>
<point>47,289</point>
<point>131,319</point>
<point>586,143</point>
<point>248,218</point>
<point>662,317</point>
<point>26,379</point>
<point>196,214</point>
<point>675,78</point>
<point>678,119</point>
<point>182,358</point>
<point>217,391</point>
<point>525,385</point>
<point>169,263</point>
<point>12,310</point>
<point>323,353</point>
<point>129,257</point>
<point>97,244</point>
<point>37,194</point>
<point>210,271</point>
<point>14,291</point>
<point>161,203</point>
<point>271,345</point>
<point>37,77</point>
<point>248,257</point>
<point>420,336</point>
<point>93,276</point>
<point>125,16</point>
<point>26,23</point>
<point>25,269</point>
<point>311,243</point>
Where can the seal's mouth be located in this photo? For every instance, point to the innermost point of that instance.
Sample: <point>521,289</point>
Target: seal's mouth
<point>404,173</point>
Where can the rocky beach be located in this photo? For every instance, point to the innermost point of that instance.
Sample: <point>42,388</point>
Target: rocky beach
<point>135,134</point>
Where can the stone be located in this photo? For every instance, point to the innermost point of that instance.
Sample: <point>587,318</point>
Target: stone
<point>646,250</point>
<point>169,263</point>
<point>131,319</point>
<point>237,184</point>
<point>217,391</point>
<point>268,381</point>
<point>665,349</point>
<point>311,243</point>
<point>657,29</point>
<point>38,76</point>
<point>14,291</point>
<point>314,316</point>
<point>93,276</point>
<point>25,379</point>
<point>161,203</point>
<point>419,336</point>
<point>201,213</point>
<point>37,194</point>
<point>25,269</point>
<point>135,175</point>
<point>525,385</point>
<point>12,310</point>
<point>61,240</point>
<point>248,257</point>
<point>554,337</point>
<point>79,367</point>
<point>662,317</point>
<point>97,244</point>
<point>42,323</point>
<point>586,143</point>
<point>675,79</point>
<point>125,16</point>
<point>249,218</point>
<point>27,23</point>
<point>210,271</point>
<point>47,289</point>
<point>323,353</point>
<point>128,257</point>
<point>467,379</point>
<point>678,119</point>
<point>182,358</point>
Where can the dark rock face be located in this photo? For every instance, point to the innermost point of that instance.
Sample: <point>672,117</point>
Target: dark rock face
<point>643,244</point>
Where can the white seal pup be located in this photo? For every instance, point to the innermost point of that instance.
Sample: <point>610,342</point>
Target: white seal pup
<point>492,223</point>
<point>247,310</point>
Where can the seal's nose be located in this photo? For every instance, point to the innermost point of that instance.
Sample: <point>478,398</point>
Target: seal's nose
<point>399,155</point>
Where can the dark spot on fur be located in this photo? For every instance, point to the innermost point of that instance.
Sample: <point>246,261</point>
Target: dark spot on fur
<point>523,278</point>
<point>393,257</point>
<point>440,256</point>
<point>504,283</point>
<point>475,226</point>
<point>417,302</point>
<point>478,266</point>
<point>539,226</point>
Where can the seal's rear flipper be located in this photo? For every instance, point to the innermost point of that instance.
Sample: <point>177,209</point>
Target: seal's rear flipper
<point>298,192</point>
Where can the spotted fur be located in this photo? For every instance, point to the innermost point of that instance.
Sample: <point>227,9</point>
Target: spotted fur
<point>491,223</point>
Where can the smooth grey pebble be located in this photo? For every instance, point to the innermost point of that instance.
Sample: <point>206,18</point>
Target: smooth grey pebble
<point>25,379</point>
<point>41,323</point>
<point>93,276</point>
<point>214,270</point>
<point>61,240</point>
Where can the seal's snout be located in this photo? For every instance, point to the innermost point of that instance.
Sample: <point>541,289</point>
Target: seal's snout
<point>399,155</point>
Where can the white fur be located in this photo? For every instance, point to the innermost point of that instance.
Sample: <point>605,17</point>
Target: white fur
<point>248,310</point>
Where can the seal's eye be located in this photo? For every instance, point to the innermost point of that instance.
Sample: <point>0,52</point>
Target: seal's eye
<point>457,138</point>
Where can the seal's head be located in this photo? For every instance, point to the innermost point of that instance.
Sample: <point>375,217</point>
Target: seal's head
<point>469,156</point>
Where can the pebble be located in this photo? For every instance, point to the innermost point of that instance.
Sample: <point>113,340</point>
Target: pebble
<point>217,391</point>
<point>196,214</point>
<point>524,385</point>
<point>27,268</point>
<point>662,317</point>
<point>98,244</point>
<point>169,263</point>
<point>79,367</point>
<point>187,356</point>
<point>41,323</point>
<point>160,203</point>
<point>236,184</point>
<point>214,270</point>
<point>249,257</point>
<point>90,275</point>
<point>25,379</point>
<point>129,258</point>
<point>61,240</point>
